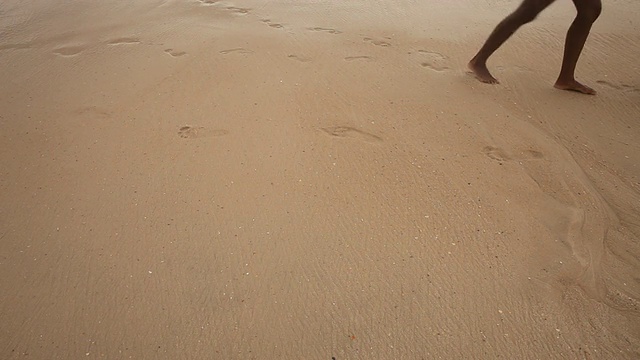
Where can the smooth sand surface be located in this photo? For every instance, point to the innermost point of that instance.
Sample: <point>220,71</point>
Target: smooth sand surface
<point>306,179</point>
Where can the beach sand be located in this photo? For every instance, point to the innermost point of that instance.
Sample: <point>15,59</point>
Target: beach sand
<point>309,179</point>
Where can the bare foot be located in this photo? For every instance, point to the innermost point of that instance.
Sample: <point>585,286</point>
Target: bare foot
<point>482,73</point>
<point>573,85</point>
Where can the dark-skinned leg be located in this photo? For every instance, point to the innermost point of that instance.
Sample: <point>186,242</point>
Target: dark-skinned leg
<point>525,13</point>
<point>588,12</point>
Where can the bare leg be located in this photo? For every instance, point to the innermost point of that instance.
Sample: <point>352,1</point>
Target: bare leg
<point>525,13</point>
<point>588,12</point>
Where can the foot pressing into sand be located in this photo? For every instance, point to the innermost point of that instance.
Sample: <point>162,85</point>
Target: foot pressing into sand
<point>481,72</point>
<point>587,13</point>
<point>573,85</point>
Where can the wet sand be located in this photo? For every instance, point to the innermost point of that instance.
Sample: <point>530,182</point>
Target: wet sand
<point>314,180</point>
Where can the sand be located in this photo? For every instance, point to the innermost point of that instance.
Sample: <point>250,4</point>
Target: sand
<point>258,179</point>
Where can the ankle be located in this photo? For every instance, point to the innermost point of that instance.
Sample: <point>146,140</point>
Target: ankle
<point>564,79</point>
<point>476,62</point>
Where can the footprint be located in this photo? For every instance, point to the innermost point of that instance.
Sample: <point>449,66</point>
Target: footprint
<point>496,154</point>
<point>236,50</point>
<point>377,42</point>
<point>15,46</point>
<point>175,53</point>
<point>532,154</point>
<point>362,58</point>
<point>514,67</point>
<point>621,87</point>
<point>565,222</point>
<point>326,30</point>
<point>93,111</point>
<point>196,132</point>
<point>433,60</point>
<point>237,10</point>
<point>353,133</point>
<point>500,155</point>
<point>299,58</point>
<point>233,9</point>
<point>608,84</point>
<point>273,25</point>
<point>69,50</point>
<point>124,41</point>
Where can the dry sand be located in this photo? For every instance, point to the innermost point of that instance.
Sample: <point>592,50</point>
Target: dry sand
<point>262,179</point>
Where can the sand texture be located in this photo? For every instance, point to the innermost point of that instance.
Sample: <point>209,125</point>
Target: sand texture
<point>315,179</point>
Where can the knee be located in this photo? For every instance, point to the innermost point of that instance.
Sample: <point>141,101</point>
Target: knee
<point>529,11</point>
<point>590,10</point>
<point>522,17</point>
<point>528,17</point>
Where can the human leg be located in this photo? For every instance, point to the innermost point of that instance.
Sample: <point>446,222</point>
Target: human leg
<point>525,13</point>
